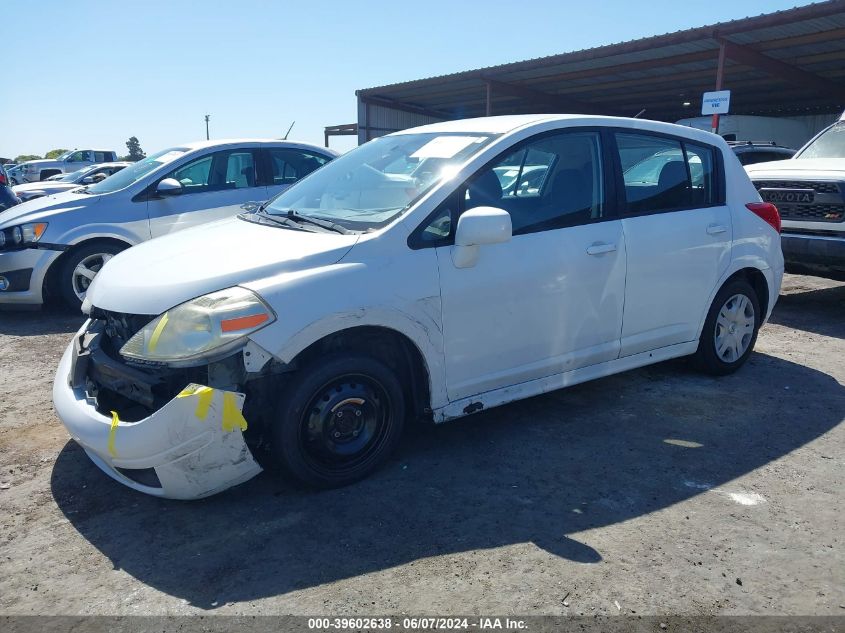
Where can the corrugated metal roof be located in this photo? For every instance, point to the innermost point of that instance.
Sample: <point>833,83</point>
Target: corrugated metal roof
<point>658,73</point>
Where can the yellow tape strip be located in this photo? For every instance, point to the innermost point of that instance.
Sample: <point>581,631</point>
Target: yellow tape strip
<point>115,421</point>
<point>232,416</point>
<point>204,397</point>
<point>157,333</point>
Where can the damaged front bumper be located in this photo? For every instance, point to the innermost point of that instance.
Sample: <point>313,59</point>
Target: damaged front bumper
<point>191,447</point>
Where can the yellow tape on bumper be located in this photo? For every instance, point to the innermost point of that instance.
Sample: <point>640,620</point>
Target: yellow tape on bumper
<point>115,421</point>
<point>231,415</point>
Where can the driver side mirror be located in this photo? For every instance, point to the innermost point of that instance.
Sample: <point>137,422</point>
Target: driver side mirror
<point>478,227</point>
<point>169,187</point>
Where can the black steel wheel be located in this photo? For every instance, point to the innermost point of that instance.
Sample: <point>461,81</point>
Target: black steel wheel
<point>340,418</point>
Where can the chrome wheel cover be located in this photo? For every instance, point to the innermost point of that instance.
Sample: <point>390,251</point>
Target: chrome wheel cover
<point>734,328</point>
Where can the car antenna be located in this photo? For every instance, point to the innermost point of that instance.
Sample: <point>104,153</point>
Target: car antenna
<point>288,132</point>
<point>638,114</point>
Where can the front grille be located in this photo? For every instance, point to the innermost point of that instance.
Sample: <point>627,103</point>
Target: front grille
<point>814,212</point>
<point>120,327</point>
<point>816,185</point>
<point>827,205</point>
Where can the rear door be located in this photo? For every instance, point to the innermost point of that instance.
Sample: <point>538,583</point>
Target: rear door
<point>678,236</point>
<point>214,186</point>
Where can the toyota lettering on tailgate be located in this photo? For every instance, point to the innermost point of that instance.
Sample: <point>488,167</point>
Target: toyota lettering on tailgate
<point>800,196</point>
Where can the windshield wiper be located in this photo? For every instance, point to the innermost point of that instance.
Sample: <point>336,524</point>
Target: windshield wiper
<point>263,218</point>
<point>326,224</point>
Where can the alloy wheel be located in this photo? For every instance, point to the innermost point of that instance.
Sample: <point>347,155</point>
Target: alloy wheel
<point>85,272</point>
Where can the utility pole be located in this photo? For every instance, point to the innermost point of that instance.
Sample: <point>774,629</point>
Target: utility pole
<point>207,117</point>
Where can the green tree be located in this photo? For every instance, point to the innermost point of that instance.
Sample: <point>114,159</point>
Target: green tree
<point>25,157</point>
<point>135,151</point>
<point>54,153</point>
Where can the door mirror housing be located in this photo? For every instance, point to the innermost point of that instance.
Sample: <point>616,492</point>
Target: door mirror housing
<point>478,227</point>
<point>169,187</point>
<point>88,180</point>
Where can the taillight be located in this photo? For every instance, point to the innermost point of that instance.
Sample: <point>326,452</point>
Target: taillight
<point>2,178</point>
<point>768,212</point>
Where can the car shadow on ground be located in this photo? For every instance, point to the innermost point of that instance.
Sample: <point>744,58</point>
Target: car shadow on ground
<point>534,471</point>
<point>39,322</point>
<point>819,311</point>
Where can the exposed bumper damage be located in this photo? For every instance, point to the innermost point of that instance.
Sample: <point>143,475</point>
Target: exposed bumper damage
<point>191,447</point>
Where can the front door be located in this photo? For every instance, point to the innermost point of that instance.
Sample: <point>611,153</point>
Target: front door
<point>214,186</point>
<point>549,300</point>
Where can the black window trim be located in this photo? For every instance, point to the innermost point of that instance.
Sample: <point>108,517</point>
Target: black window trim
<point>610,179</point>
<point>719,186</point>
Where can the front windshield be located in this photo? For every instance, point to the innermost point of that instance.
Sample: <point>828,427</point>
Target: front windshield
<point>135,172</point>
<point>65,155</point>
<point>829,144</point>
<point>371,185</point>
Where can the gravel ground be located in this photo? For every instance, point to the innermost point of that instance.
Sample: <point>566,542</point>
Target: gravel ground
<point>658,491</point>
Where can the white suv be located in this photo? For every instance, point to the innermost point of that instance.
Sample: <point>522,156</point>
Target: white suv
<point>430,274</point>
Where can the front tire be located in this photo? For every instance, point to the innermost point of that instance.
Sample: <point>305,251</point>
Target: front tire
<point>730,329</point>
<point>80,267</point>
<point>339,419</point>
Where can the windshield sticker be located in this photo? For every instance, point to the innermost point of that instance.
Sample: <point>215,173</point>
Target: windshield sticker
<point>445,146</point>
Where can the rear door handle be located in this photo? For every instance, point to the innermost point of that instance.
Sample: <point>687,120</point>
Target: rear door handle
<point>600,249</point>
<point>715,229</point>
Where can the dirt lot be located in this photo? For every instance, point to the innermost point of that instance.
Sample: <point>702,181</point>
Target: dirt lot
<point>661,490</point>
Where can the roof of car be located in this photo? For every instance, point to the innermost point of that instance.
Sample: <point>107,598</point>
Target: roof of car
<point>243,141</point>
<point>119,163</point>
<point>508,123</point>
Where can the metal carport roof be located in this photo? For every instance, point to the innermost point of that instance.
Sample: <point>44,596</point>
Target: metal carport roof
<point>787,63</point>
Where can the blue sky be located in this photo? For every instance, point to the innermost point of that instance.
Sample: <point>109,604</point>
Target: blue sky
<point>93,73</point>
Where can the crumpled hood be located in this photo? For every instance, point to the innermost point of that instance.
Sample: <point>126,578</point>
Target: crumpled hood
<point>41,209</point>
<point>161,273</point>
<point>822,167</point>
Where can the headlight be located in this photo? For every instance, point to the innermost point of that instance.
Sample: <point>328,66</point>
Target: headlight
<point>209,326</point>
<point>17,236</point>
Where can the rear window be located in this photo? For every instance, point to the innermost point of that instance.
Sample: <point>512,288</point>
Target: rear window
<point>664,173</point>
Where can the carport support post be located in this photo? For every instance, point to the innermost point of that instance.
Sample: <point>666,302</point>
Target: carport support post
<point>488,103</point>
<point>720,74</point>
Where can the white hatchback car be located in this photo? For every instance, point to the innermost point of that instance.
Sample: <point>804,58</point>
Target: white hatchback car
<point>58,243</point>
<point>430,274</point>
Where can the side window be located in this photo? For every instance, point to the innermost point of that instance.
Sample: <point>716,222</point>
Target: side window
<point>552,182</point>
<point>702,174</point>
<point>289,165</point>
<point>220,171</point>
<point>654,171</point>
<point>195,176</point>
<point>100,157</point>
<point>240,170</point>
<point>78,157</point>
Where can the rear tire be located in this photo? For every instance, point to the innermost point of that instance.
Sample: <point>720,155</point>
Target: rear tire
<point>730,329</point>
<point>340,418</point>
<point>80,267</point>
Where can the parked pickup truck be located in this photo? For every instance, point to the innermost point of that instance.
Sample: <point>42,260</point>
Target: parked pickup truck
<point>73,160</point>
<point>809,192</point>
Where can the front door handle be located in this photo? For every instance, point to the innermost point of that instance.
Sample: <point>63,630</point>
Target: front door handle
<point>715,229</point>
<point>600,249</point>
